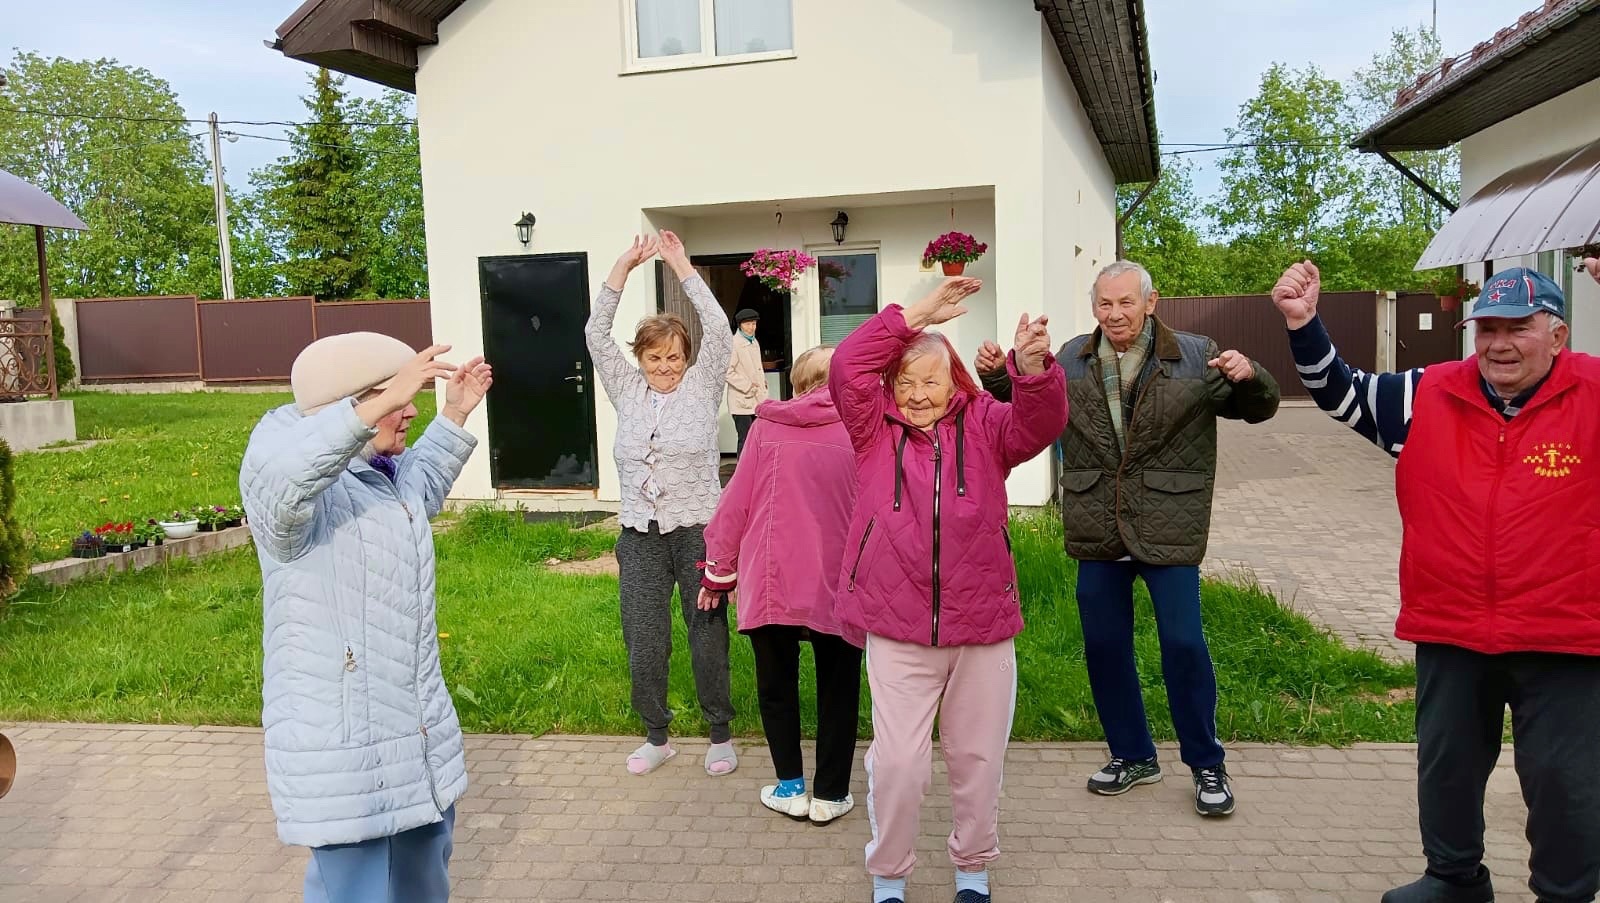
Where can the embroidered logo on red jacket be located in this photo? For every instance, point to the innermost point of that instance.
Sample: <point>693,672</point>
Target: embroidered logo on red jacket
<point>1553,459</point>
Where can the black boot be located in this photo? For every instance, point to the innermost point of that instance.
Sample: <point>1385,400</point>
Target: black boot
<point>1429,889</point>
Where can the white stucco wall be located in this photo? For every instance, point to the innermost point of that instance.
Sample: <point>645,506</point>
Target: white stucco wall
<point>1562,123</point>
<point>523,106</point>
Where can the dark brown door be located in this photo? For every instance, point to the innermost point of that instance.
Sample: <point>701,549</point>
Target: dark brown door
<point>541,410</point>
<point>1424,333</point>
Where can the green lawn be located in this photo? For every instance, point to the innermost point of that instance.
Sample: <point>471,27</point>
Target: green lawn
<point>529,651</point>
<point>158,453</point>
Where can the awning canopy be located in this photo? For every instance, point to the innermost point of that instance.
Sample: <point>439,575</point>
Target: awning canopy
<point>1546,205</point>
<point>27,205</point>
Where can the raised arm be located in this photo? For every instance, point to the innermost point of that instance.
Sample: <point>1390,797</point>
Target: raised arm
<point>855,375</point>
<point>432,465</point>
<point>1240,388</point>
<point>1037,390</point>
<point>615,370</point>
<point>1376,405</point>
<point>716,342</point>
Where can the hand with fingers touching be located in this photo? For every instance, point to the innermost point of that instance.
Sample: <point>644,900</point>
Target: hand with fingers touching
<point>676,256</point>
<point>419,373</point>
<point>642,249</point>
<point>1235,367</point>
<point>709,600</point>
<point>1032,344</point>
<point>991,358</point>
<point>1296,293</point>
<point>943,304</point>
<point>466,389</point>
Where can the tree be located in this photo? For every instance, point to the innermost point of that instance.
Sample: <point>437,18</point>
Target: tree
<point>1164,234</point>
<point>108,141</point>
<point>311,201</point>
<point>1293,189</point>
<point>389,196</point>
<point>1406,217</point>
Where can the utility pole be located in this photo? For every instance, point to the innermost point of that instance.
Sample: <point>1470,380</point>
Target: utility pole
<point>222,211</point>
<point>1436,18</point>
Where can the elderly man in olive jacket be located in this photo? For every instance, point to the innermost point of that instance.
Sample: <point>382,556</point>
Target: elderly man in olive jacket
<point>1140,458</point>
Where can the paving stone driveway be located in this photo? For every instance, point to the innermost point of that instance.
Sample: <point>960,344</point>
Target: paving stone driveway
<point>162,815</point>
<point>1306,507</point>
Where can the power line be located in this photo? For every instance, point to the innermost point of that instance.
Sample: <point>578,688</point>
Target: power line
<point>117,117</point>
<point>353,147</point>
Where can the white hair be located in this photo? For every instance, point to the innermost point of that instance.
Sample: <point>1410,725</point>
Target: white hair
<point>1147,286</point>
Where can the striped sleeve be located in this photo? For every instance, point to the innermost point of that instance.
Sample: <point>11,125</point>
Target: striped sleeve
<point>1376,405</point>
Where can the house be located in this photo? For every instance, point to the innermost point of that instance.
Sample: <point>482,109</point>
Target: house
<point>761,123</point>
<point>1525,107</point>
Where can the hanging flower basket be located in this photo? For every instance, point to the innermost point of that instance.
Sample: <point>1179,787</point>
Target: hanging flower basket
<point>954,250</point>
<point>776,269</point>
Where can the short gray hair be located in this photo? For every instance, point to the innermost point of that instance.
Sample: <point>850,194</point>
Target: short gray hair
<point>1147,286</point>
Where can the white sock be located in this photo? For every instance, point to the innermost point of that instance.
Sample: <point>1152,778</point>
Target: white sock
<point>978,881</point>
<point>888,889</point>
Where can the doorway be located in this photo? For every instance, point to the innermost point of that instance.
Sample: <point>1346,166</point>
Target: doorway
<point>541,412</point>
<point>734,292</point>
<point>1424,333</point>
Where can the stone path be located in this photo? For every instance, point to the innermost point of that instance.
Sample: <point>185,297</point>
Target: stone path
<point>1306,507</point>
<point>164,815</point>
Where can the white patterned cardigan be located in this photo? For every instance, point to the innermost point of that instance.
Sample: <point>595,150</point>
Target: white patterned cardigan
<point>684,462</point>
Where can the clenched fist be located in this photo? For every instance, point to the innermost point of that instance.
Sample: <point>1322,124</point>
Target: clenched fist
<point>1296,294</point>
<point>1235,367</point>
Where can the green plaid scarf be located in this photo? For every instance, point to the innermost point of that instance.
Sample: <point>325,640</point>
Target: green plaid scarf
<point>1115,373</point>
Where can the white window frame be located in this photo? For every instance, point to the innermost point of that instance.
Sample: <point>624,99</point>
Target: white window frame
<point>707,57</point>
<point>807,304</point>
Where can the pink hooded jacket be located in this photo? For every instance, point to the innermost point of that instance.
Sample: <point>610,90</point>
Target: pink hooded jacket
<point>778,533</point>
<point>928,559</point>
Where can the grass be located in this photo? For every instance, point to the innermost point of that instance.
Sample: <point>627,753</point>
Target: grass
<point>528,651</point>
<point>154,454</point>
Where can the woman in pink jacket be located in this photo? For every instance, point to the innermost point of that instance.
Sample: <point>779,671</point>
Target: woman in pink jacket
<point>778,535</point>
<point>928,576</point>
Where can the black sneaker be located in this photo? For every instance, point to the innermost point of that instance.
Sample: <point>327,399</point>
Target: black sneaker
<point>1212,793</point>
<point>971,896</point>
<point>1121,775</point>
<point>1429,889</point>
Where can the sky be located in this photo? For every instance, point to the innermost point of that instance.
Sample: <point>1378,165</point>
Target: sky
<point>1208,55</point>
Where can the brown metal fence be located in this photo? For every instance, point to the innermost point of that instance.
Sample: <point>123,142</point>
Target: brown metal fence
<point>256,340</point>
<point>1252,325</point>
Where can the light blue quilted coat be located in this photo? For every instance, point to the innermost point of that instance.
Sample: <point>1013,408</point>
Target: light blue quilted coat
<point>362,740</point>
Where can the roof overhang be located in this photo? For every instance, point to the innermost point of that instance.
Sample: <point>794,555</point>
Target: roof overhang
<point>1102,42</point>
<point>1106,49</point>
<point>375,40</point>
<point>1546,205</point>
<point>1547,53</point>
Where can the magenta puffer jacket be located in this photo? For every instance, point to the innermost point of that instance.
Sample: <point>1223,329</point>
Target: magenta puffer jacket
<point>779,531</point>
<point>928,559</point>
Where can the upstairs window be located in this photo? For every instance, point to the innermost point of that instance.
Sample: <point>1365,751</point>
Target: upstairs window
<point>675,34</point>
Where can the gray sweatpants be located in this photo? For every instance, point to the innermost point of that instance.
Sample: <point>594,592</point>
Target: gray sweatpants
<point>649,564</point>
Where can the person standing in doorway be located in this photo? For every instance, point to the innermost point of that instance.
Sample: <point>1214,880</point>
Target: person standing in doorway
<point>928,581</point>
<point>779,534</point>
<point>747,380</point>
<point>1499,571</point>
<point>1139,461</point>
<point>666,454</point>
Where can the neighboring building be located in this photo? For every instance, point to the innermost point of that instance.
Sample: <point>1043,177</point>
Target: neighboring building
<point>1525,108</point>
<point>1012,121</point>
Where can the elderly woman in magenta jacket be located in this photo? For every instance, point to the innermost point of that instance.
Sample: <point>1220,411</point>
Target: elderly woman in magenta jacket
<point>778,536</point>
<point>928,575</point>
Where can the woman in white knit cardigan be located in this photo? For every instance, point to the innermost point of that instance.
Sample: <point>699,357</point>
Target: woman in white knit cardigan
<point>666,454</point>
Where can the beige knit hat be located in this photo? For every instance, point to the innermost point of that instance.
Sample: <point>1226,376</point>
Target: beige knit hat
<point>345,366</point>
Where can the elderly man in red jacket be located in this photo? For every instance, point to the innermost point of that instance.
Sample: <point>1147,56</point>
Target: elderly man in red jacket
<point>1499,489</point>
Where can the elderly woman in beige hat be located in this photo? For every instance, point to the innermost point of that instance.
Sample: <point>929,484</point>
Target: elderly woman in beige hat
<point>363,749</point>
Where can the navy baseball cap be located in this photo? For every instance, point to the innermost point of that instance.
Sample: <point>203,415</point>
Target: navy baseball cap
<point>1517,293</point>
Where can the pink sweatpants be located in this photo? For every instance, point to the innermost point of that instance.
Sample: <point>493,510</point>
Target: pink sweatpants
<point>973,690</point>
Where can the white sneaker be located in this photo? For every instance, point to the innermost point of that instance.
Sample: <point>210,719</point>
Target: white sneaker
<point>796,807</point>
<point>824,811</point>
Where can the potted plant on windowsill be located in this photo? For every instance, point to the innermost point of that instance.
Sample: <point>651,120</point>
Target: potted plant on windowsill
<point>778,270</point>
<point>88,545</point>
<point>953,251</point>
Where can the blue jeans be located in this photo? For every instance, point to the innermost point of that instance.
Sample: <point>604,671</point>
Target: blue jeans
<point>410,867</point>
<point>1105,609</point>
